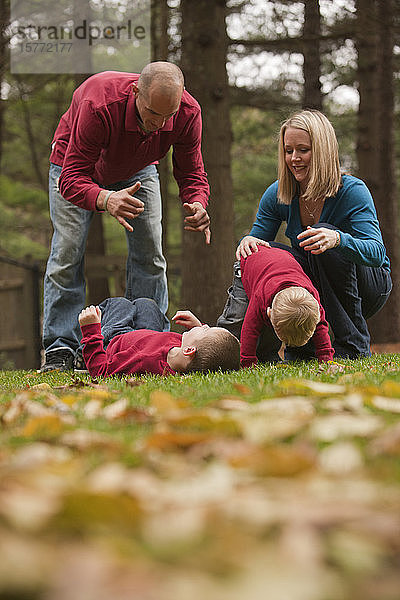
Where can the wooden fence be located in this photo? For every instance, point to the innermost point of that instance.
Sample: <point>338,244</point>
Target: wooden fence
<point>20,305</point>
<point>19,314</point>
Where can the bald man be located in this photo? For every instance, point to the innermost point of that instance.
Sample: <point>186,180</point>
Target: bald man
<point>103,158</point>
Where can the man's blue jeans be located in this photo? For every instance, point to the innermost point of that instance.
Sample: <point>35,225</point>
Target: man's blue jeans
<point>64,282</point>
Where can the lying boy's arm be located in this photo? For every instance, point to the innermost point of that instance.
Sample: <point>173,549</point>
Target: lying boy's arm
<point>93,349</point>
<point>187,319</point>
<point>92,341</point>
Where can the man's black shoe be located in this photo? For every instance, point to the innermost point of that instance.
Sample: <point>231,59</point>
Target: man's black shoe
<point>58,360</point>
<point>79,363</point>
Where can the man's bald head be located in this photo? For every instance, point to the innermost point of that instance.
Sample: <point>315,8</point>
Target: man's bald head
<point>164,77</point>
<point>158,94</point>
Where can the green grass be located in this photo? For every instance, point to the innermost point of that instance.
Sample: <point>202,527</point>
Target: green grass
<point>280,478</point>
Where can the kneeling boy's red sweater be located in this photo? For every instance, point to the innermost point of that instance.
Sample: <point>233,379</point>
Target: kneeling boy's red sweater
<point>264,274</point>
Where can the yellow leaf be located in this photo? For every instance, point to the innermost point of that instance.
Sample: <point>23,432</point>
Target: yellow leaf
<point>70,399</point>
<point>41,386</point>
<point>204,420</point>
<point>46,427</point>
<point>163,402</point>
<point>314,387</point>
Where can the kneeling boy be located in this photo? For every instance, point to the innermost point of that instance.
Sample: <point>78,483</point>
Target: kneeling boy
<point>123,336</point>
<point>281,295</point>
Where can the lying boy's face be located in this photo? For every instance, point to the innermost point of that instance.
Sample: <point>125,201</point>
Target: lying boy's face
<point>194,335</point>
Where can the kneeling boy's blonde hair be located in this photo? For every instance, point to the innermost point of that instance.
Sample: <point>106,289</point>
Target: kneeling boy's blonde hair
<point>294,315</point>
<point>219,350</point>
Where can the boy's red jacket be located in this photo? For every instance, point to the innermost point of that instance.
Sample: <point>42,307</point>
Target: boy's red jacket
<point>141,351</point>
<point>264,274</point>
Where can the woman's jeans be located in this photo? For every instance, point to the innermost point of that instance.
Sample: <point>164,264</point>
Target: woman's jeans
<point>349,293</point>
<point>120,315</point>
<point>64,282</point>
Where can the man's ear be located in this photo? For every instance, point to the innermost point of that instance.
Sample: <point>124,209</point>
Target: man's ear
<point>189,351</point>
<point>135,89</point>
<point>269,312</point>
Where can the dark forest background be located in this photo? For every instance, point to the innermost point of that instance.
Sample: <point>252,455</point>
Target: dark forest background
<point>249,64</point>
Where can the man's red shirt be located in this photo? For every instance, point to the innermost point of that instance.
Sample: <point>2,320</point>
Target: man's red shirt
<point>99,141</point>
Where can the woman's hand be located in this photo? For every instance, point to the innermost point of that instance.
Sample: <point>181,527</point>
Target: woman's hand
<point>248,245</point>
<point>318,239</point>
<point>89,315</point>
<point>186,318</point>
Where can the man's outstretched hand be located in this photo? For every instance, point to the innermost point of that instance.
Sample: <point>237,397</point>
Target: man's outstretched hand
<point>197,219</point>
<point>123,205</point>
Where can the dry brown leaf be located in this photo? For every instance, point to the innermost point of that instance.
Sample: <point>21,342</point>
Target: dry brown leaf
<point>277,461</point>
<point>174,440</point>
<point>243,389</point>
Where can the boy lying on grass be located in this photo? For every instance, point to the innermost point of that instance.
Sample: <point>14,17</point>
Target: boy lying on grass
<point>283,297</point>
<point>123,336</point>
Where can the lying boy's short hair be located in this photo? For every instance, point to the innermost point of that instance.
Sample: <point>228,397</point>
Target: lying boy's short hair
<point>219,350</point>
<point>294,315</point>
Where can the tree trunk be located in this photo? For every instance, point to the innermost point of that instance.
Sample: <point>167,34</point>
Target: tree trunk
<point>366,45</point>
<point>160,50</point>
<point>31,138</point>
<point>385,326</point>
<point>4,22</point>
<point>312,94</point>
<point>207,270</point>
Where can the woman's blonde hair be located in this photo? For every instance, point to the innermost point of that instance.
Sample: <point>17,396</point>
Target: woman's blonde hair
<point>294,315</point>
<point>325,176</point>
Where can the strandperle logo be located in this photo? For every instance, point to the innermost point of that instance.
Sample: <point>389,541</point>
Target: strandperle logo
<point>83,31</point>
<point>85,36</point>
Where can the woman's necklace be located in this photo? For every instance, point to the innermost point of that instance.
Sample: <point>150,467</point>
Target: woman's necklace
<point>311,211</point>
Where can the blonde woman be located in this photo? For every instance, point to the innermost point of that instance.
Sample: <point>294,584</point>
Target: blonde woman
<point>333,228</point>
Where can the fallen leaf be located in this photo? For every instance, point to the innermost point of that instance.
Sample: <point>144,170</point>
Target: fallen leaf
<point>116,409</point>
<point>172,440</point>
<point>277,461</point>
<point>317,388</point>
<point>242,388</point>
<point>387,404</point>
<point>163,402</point>
<point>83,439</point>
<point>45,427</point>
<point>340,458</point>
<point>332,427</point>
<point>387,442</point>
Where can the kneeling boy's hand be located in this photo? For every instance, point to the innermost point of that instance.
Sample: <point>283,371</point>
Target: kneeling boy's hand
<point>89,315</point>
<point>187,319</point>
